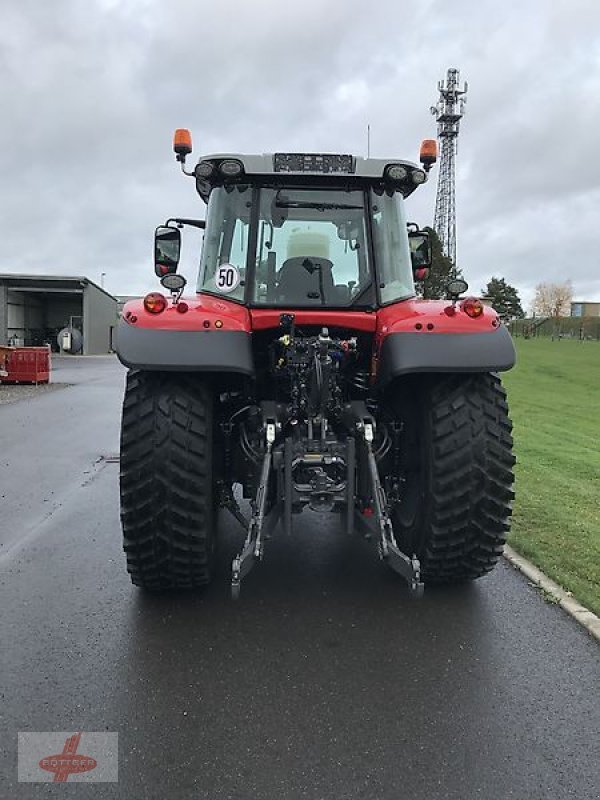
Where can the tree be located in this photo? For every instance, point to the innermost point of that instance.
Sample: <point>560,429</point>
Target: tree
<point>504,299</point>
<point>441,272</point>
<point>553,299</point>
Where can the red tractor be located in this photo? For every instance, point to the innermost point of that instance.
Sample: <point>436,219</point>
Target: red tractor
<point>304,373</point>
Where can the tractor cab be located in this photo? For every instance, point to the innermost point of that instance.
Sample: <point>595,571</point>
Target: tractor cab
<point>304,230</point>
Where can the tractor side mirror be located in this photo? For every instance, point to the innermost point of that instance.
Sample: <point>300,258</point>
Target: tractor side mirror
<point>420,253</point>
<point>167,248</point>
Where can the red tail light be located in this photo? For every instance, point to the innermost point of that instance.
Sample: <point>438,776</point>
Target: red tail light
<point>155,303</point>
<point>472,306</point>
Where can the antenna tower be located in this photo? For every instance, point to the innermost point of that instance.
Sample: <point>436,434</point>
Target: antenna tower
<point>448,112</point>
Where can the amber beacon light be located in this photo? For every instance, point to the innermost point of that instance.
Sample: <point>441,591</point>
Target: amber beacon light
<point>428,153</point>
<point>182,143</point>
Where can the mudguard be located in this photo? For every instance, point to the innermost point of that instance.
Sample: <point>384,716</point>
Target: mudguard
<point>403,353</point>
<point>189,351</point>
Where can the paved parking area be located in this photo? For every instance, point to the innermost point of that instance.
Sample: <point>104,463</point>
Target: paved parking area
<point>324,681</point>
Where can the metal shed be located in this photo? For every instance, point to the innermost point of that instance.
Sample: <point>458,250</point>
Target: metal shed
<point>35,308</point>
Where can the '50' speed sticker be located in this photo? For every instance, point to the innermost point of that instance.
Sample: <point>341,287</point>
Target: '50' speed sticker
<point>227,278</point>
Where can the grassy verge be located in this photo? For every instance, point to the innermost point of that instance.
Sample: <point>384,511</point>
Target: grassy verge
<point>554,397</point>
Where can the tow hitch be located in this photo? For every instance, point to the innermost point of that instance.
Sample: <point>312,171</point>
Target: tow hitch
<point>254,544</point>
<point>407,567</point>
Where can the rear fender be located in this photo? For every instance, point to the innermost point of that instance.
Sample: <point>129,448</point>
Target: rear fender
<point>189,351</point>
<point>405,353</point>
<point>211,336</point>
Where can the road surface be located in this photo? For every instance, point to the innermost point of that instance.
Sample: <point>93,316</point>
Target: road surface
<point>324,681</point>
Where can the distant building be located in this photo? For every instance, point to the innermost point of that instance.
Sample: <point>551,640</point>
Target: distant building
<point>35,308</point>
<point>583,309</point>
<point>125,298</point>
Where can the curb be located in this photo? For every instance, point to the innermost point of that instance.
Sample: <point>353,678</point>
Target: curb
<point>580,613</point>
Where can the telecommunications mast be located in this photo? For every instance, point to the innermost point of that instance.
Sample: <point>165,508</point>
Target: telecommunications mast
<point>448,113</point>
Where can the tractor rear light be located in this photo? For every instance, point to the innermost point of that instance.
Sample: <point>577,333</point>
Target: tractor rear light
<point>155,303</point>
<point>421,273</point>
<point>472,306</point>
<point>182,307</point>
<point>218,323</point>
<point>450,311</point>
<point>396,172</point>
<point>231,168</point>
<point>204,169</point>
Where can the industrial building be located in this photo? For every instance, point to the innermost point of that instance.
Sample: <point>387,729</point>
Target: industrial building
<point>125,298</point>
<point>35,309</point>
<point>582,308</point>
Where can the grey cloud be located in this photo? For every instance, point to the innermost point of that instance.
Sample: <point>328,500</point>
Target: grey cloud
<point>92,91</point>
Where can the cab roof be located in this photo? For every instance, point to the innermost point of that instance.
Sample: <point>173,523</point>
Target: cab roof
<point>314,169</point>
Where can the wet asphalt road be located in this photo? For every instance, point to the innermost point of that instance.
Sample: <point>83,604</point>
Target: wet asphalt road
<point>325,681</point>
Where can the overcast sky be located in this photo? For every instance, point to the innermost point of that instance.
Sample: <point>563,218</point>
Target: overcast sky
<point>91,92</point>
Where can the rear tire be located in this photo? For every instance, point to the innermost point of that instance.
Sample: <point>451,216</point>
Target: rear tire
<point>458,475</point>
<point>168,509</point>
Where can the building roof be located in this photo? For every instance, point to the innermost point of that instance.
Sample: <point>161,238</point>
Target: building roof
<point>30,280</point>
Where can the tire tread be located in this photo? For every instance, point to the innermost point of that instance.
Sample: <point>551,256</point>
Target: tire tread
<point>166,486</point>
<point>471,478</point>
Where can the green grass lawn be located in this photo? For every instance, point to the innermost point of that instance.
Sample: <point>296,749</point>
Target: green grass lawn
<point>554,398</point>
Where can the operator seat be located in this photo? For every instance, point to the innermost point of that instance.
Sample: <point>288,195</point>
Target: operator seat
<point>299,282</point>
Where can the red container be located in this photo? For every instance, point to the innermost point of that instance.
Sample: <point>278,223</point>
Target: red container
<point>27,365</point>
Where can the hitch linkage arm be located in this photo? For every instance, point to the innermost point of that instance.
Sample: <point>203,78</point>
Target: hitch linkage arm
<point>408,568</point>
<point>254,544</point>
